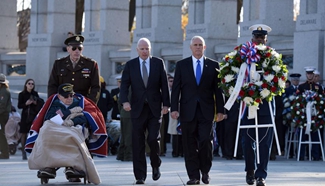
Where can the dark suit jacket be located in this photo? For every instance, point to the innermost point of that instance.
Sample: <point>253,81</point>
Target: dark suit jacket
<point>156,93</point>
<point>187,93</point>
<point>115,96</point>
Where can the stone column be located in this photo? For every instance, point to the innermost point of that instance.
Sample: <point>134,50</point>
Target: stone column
<point>8,25</point>
<point>106,29</point>
<point>214,20</point>
<point>278,14</point>
<point>160,22</point>
<point>50,22</point>
<point>309,37</point>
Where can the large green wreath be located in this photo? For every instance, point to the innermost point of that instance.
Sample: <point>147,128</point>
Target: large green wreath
<point>298,110</point>
<point>269,65</point>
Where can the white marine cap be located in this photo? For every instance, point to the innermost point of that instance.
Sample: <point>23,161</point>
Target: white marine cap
<point>310,69</point>
<point>118,78</point>
<point>260,29</point>
<point>316,72</point>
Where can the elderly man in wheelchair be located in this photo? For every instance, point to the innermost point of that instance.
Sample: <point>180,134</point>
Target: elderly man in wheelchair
<point>68,130</point>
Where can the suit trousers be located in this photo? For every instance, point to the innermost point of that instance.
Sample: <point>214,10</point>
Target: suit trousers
<point>197,138</point>
<point>146,121</point>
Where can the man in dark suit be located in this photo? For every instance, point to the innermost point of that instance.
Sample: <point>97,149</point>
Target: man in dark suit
<point>195,94</point>
<point>149,100</point>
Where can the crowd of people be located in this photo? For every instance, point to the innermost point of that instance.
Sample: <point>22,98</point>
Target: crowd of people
<point>151,107</point>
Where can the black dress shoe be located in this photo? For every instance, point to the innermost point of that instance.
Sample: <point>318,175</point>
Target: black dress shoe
<point>193,182</point>
<point>250,177</point>
<point>205,178</point>
<point>260,182</point>
<point>155,173</point>
<point>140,181</point>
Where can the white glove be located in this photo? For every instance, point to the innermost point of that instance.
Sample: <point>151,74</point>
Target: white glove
<point>76,109</point>
<point>68,123</point>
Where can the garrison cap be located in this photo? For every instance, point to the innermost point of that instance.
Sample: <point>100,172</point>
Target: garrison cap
<point>74,40</point>
<point>65,89</point>
<point>260,29</point>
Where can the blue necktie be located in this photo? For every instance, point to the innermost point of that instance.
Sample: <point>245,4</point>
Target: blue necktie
<point>198,72</point>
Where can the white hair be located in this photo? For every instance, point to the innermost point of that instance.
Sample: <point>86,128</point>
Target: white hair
<point>197,37</point>
<point>144,39</point>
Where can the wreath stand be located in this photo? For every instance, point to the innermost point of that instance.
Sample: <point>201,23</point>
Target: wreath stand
<point>292,138</point>
<point>257,126</point>
<point>309,142</point>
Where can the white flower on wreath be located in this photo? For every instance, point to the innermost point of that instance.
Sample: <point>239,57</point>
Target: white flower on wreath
<point>233,53</point>
<point>235,69</point>
<point>287,104</point>
<point>269,77</point>
<point>281,83</point>
<point>276,68</point>
<point>258,83</point>
<point>225,65</point>
<point>302,117</point>
<point>248,100</point>
<point>321,102</point>
<point>266,63</point>
<point>228,78</point>
<point>265,92</point>
<point>275,54</point>
<point>261,47</point>
<point>298,112</point>
<point>231,89</point>
<point>298,104</point>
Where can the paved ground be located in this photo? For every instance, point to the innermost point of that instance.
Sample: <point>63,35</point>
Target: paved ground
<point>15,172</point>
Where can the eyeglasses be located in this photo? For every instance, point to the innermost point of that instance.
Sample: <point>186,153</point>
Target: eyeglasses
<point>68,96</point>
<point>75,48</point>
<point>30,83</point>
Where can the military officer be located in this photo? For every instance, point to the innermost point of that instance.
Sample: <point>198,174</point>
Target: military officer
<point>76,69</point>
<point>310,85</point>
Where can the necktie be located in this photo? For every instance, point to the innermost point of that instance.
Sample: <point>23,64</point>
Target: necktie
<point>198,72</point>
<point>144,73</point>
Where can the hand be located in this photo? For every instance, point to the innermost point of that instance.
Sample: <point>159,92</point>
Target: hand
<point>164,110</point>
<point>76,109</point>
<point>68,123</point>
<point>28,102</point>
<point>126,106</point>
<point>220,117</point>
<point>174,114</point>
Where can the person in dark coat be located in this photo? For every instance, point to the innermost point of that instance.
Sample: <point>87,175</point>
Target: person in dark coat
<point>30,103</point>
<point>105,102</point>
<point>5,108</point>
<point>80,71</point>
<point>149,100</point>
<point>115,93</point>
<point>192,100</point>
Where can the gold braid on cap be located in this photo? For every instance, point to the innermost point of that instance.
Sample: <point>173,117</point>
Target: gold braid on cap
<point>68,88</point>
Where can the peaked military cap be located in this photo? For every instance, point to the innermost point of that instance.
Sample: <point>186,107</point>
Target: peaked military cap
<point>295,76</point>
<point>260,29</point>
<point>74,40</point>
<point>310,69</point>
